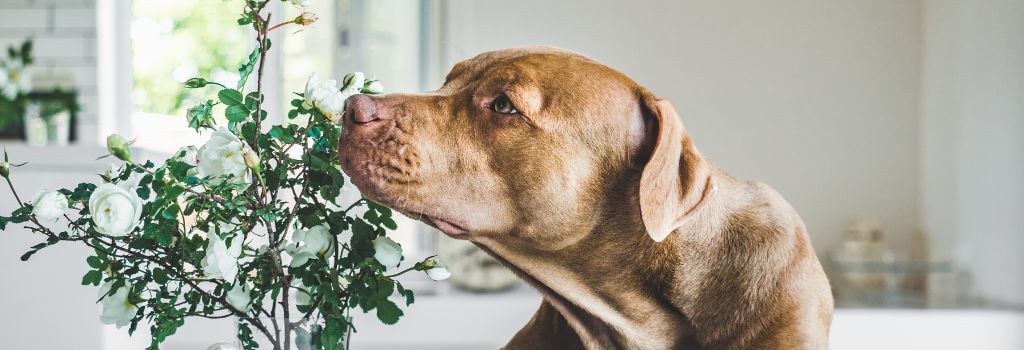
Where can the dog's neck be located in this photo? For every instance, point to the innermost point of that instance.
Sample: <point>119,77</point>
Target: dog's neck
<point>611,286</point>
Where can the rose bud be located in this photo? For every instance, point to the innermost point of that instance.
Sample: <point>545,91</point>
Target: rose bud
<point>252,160</point>
<point>118,146</point>
<point>373,87</point>
<point>306,18</point>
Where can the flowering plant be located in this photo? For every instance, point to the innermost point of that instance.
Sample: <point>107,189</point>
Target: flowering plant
<point>250,225</point>
<point>15,82</point>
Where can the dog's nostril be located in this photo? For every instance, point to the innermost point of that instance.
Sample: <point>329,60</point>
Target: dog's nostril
<point>361,109</point>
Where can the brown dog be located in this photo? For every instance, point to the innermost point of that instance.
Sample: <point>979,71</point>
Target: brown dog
<point>588,187</point>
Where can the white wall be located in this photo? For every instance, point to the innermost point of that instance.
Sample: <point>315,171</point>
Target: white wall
<point>972,144</point>
<point>818,99</point>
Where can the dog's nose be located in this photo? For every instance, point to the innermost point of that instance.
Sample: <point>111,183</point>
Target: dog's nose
<point>361,109</point>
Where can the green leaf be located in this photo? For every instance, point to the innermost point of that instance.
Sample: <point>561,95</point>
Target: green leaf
<point>201,116</point>
<point>388,312</point>
<point>93,277</point>
<point>230,97</point>
<point>248,66</point>
<point>251,99</point>
<point>282,134</point>
<point>236,113</point>
<point>389,223</point>
<point>160,276</point>
<point>27,255</point>
<point>95,262</point>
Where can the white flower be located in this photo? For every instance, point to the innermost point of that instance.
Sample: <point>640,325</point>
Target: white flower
<point>112,171</point>
<point>353,81</point>
<point>3,84</point>
<point>310,243</point>
<point>222,156</point>
<point>333,106</point>
<point>221,260</point>
<point>49,206</point>
<point>115,209</point>
<point>188,155</point>
<point>325,96</point>
<point>239,298</point>
<point>302,3</point>
<point>387,252</point>
<point>117,310</point>
<point>375,87</point>
<point>132,182</point>
<point>302,297</point>
<point>436,269</point>
<point>15,79</point>
<point>317,89</point>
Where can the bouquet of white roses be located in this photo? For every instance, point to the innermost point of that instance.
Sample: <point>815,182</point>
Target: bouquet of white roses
<point>251,225</point>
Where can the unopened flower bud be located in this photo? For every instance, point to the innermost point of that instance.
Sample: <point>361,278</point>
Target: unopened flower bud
<point>5,169</point>
<point>306,18</point>
<point>435,269</point>
<point>353,81</point>
<point>252,160</point>
<point>195,83</point>
<point>373,87</point>
<point>118,146</point>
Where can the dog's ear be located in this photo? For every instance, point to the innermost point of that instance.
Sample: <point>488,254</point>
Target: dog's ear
<point>676,178</point>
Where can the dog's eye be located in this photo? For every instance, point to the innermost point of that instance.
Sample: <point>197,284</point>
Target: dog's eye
<point>503,105</point>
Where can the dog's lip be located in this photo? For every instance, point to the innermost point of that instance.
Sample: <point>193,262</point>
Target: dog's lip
<point>445,226</point>
<point>375,191</point>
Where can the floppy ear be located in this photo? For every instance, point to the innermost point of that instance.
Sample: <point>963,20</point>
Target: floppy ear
<point>676,178</point>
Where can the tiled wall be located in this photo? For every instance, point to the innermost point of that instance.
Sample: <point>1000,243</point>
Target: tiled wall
<point>64,33</point>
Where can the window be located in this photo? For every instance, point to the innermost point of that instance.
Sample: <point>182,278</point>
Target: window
<point>172,41</point>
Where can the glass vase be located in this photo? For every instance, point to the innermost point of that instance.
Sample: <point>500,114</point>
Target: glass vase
<point>301,335</point>
<point>54,130</point>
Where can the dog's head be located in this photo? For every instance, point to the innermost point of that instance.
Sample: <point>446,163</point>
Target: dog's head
<point>535,145</point>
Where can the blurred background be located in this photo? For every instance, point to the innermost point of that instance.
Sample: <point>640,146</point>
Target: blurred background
<point>895,128</point>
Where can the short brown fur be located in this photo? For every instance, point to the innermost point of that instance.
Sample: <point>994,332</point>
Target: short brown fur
<point>594,194</point>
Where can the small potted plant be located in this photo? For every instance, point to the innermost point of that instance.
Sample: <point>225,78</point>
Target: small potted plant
<point>15,84</point>
<point>40,117</point>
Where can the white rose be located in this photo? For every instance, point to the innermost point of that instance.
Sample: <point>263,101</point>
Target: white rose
<point>222,156</point>
<point>333,106</point>
<point>188,155</point>
<point>221,260</point>
<point>49,206</point>
<point>325,97</point>
<point>302,296</point>
<point>354,81</point>
<point>387,252</point>
<point>17,80</point>
<point>436,270</point>
<point>317,89</point>
<point>310,243</point>
<point>375,87</point>
<point>239,297</point>
<point>117,310</point>
<point>112,171</point>
<point>8,91</point>
<point>115,209</point>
